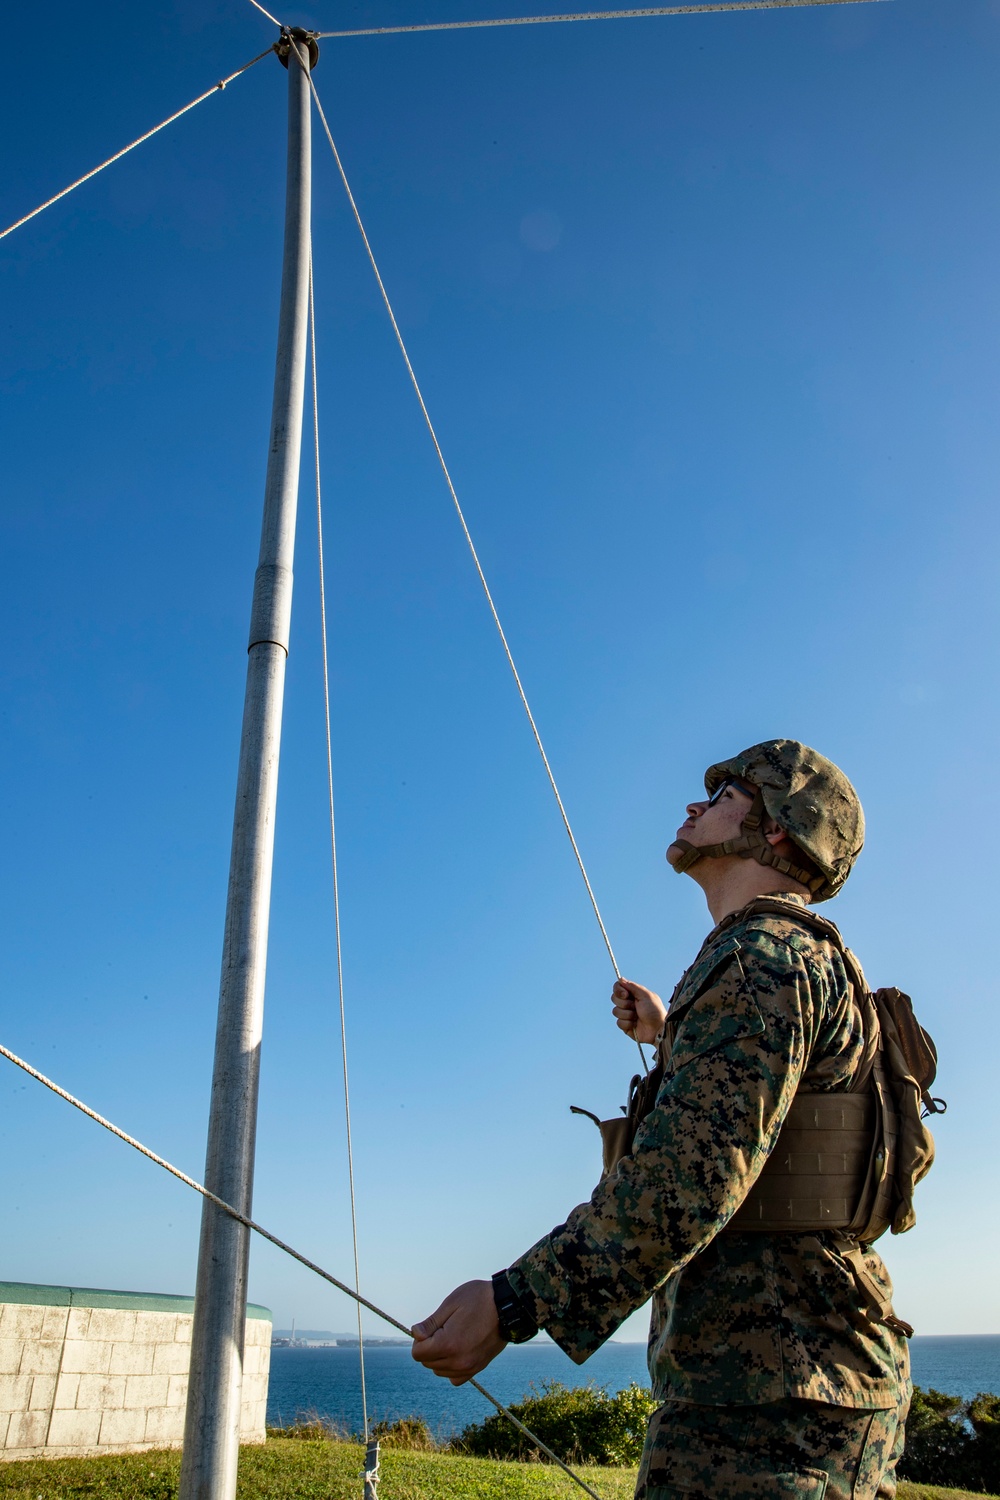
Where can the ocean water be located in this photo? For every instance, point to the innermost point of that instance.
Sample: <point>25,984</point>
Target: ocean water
<point>958,1364</point>
<point>325,1381</point>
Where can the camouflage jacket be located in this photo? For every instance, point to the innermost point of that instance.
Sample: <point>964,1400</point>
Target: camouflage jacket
<point>737,1318</point>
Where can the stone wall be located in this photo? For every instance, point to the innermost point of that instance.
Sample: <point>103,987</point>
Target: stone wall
<point>84,1372</point>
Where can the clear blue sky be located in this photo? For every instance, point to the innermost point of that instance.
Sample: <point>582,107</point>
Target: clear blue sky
<point>706,310</point>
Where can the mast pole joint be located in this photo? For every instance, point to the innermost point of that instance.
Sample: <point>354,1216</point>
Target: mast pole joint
<point>307,39</point>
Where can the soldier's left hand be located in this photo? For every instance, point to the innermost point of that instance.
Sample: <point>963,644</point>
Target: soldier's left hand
<point>461,1337</point>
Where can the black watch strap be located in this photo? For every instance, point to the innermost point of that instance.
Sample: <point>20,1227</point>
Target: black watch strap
<point>517,1325</point>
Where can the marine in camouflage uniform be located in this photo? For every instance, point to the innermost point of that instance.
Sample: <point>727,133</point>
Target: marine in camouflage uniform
<point>771,1376</point>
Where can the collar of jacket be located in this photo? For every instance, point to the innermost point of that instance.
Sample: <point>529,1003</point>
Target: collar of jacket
<point>721,942</point>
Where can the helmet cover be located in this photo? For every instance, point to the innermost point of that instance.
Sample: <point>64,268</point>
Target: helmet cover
<point>809,798</point>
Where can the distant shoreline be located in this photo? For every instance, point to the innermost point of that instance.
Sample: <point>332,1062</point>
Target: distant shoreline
<point>335,1341</point>
<point>325,1381</point>
<point>280,1341</point>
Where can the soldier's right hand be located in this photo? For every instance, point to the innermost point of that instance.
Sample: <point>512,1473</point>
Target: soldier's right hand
<point>463,1335</point>
<point>639,1012</point>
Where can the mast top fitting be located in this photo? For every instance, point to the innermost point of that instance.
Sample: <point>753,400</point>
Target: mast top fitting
<point>304,38</point>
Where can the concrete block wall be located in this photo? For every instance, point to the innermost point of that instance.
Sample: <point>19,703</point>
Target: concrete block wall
<point>85,1372</point>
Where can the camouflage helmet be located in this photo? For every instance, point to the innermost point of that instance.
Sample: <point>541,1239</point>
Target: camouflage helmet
<point>809,798</point>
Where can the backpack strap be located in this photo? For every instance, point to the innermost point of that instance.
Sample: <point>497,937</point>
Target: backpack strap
<point>774,906</point>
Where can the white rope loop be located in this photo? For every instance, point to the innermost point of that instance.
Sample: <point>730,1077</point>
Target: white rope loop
<point>333,842</point>
<point>222,83</point>
<point>273,1239</point>
<point>468,538</point>
<point>599,15</point>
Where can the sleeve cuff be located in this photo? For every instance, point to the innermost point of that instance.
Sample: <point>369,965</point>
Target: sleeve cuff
<point>579,1322</point>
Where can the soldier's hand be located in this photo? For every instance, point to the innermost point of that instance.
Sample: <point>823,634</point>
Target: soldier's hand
<point>462,1336</point>
<point>638,1012</point>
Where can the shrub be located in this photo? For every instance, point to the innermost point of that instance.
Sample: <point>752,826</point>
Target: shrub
<point>582,1424</point>
<point>983,1415</point>
<point>937,1439</point>
<point>407,1432</point>
<point>953,1442</point>
<point>310,1427</point>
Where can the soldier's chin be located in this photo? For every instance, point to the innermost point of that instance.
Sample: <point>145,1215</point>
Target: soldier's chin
<point>674,853</point>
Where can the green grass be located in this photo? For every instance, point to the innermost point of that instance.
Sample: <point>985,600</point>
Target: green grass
<point>292,1469</point>
<point>934,1492</point>
<point>285,1468</point>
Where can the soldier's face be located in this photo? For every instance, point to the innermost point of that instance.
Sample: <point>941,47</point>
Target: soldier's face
<point>714,820</point>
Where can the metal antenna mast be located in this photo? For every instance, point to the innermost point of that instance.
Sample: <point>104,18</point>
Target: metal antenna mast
<point>212,1425</point>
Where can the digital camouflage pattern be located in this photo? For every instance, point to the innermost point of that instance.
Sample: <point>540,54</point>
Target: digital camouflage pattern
<point>788,1448</point>
<point>737,1318</point>
<point>809,797</point>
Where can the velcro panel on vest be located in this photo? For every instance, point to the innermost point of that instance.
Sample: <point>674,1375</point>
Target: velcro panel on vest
<point>817,1174</point>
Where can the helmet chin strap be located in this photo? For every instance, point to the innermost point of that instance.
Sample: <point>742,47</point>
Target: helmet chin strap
<point>751,844</point>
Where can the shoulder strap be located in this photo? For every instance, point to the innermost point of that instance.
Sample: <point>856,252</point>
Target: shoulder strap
<point>775,906</point>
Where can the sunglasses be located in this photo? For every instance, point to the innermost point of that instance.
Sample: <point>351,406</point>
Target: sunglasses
<point>724,786</point>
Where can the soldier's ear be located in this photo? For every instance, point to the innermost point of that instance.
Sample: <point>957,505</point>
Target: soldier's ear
<point>774,833</point>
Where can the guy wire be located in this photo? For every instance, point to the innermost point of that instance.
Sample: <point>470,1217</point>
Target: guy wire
<point>257,6</point>
<point>132,144</point>
<point>333,839</point>
<point>273,1239</point>
<point>596,15</point>
<point>468,538</point>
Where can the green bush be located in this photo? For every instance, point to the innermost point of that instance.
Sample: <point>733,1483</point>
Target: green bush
<point>310,1427</point>
<point>582,1424</point>
<point>983,1415</point>
<point>407,1432</point>
<point>937,1438</point>
<point>953,1442</point>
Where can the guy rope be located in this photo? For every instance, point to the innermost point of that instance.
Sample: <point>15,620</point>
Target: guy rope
<point>273,1239</point>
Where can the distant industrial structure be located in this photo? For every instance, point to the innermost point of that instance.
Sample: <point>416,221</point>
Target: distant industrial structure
<point>322,1338</point>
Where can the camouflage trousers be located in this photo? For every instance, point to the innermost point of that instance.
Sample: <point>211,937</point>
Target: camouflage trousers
<point>791,1448</point>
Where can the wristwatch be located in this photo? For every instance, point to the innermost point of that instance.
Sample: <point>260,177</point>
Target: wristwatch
<point>517,1325</point>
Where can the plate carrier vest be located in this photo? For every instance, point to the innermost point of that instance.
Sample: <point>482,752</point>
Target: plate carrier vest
<point>846,1161</point>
